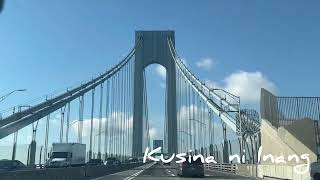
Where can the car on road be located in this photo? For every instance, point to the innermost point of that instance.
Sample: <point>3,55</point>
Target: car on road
<point>112,161</point>
<point>192,169</point>
<point>11,165</point>
<point>167,163</point>
<point>132,160</point>
<point>95,162</point>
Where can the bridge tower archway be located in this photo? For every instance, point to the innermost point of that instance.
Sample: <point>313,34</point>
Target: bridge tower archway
<point>154,49</point>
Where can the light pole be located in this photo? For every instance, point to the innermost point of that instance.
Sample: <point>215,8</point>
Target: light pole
<point>203,124</point>
<point>195,131</point>
<point>2,98</point>
<point>94,144</point>
<point>188,134</point>
<point>185,133</point>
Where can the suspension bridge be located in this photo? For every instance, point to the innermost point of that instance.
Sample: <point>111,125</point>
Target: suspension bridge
<point>198,119</point>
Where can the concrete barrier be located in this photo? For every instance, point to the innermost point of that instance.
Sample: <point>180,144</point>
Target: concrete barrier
<point>271,171</point>
<point>250,170</point>
<point>69,173</point>
<point>281,172</point>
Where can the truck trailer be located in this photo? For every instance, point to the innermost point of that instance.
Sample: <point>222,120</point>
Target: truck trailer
<point>67,154</point>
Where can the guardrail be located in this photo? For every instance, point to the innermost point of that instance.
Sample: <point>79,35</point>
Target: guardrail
<point>68,173</point>
<point>232,168</point>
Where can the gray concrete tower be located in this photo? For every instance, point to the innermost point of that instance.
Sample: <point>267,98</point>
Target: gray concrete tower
<point>154,49</point>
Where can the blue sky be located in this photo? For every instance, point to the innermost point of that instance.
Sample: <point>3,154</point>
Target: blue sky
<point>50,45</point>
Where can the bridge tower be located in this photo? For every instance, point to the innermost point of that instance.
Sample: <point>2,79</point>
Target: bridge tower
<point>152,49</point>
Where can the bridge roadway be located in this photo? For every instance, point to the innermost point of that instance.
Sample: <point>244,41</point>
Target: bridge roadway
<point>157,171</point>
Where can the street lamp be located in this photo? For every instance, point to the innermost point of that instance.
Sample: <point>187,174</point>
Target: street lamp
<point>195,131</point>
<point>2,98</point>
<point>185,133</point>
<point>204,124</point>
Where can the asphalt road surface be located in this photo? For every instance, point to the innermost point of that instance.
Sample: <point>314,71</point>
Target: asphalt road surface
<point>160,172</point>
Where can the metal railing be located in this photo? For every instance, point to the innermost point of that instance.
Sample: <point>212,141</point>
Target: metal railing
<point>224,167</point>
<point>282,111</point>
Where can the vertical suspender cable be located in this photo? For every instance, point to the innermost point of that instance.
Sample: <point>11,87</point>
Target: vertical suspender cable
<point>68,122</point>
<point>107,120</point>
<point>117,116</point>
<point>112,115</point>
<point>126,111</point>
<point>193,120</point>
<point>178,111</point>
<point>198,120</point>
<point>186,118</point>
<point>62,123</point>
<point>46,138</point>
<point>80,123</point>
<point>120,114</point>
<point>100,120</point>
<point>91,124</point>
<point>189,117</point>
<point>123,112</point>
<point>131,72</point>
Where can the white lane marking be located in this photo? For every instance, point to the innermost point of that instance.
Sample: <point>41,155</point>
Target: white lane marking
<point>121,173</point>
<point>169,172</point>
<point>139,172</point>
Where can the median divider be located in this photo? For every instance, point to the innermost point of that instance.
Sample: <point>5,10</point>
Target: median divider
<point>68,173</point>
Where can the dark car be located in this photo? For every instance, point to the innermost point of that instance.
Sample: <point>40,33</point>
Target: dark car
<point>167,163</point>
<point>193,169</point>
<point>11,165</point>
<point>112,161</point>
<point>132,160</point>
<point>95,162</point>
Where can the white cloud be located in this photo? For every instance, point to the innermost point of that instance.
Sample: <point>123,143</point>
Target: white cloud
<point>163,85</point>
<point>154,134</point>
<point>184,111</point>
<point>211,84</point>
<point>247,85</point>
<point>111,124</point>
<point>205,63</point>
<point>161,71</point>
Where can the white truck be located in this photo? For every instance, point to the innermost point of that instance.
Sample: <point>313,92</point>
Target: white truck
<point>67,154</point>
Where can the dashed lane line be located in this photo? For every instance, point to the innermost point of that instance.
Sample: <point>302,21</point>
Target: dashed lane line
<point>138,173</point>
<point>168,171</point>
